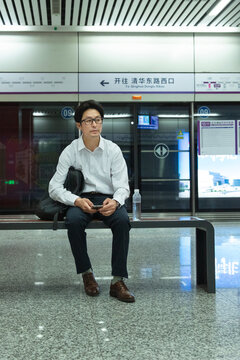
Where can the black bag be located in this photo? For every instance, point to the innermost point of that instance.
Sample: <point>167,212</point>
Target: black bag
<point>49,209</point>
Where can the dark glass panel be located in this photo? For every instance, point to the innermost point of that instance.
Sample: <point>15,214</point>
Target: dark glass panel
<point>165,157</point>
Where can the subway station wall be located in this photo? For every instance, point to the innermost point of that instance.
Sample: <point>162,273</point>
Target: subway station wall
<point>72,52</point>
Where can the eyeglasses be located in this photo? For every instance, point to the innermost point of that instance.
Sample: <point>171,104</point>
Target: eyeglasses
<point>97,120</point>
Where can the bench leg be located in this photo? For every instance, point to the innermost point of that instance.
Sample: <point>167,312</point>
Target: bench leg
<point>205,258</point>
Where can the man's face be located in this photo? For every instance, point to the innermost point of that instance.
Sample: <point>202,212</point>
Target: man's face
<point>90,130</point>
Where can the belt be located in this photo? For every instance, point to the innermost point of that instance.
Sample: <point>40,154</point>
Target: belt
<point>95,193</point>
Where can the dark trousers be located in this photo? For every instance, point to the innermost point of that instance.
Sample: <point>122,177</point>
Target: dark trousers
<point>76,223</point>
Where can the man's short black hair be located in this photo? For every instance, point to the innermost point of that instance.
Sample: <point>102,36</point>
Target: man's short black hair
<point>85,105</point>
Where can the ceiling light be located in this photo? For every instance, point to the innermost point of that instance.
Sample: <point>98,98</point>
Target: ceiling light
<point>218,8</point>
<point>173,116</point>
<point>208,115</point>
<point>39,113</point>
<point>117,116</point>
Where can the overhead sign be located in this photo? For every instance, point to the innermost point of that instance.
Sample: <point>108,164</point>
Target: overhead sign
<point>119,83</point>
<point>97,83</point>
<point>217,83</point>
<point>38,83</point>
<point>161,151</point>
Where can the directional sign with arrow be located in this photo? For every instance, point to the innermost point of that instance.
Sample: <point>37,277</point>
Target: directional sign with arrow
<point>103,82</point>
<point>161,151</point>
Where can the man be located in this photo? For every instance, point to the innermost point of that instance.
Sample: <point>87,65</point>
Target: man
<point>106,183</point>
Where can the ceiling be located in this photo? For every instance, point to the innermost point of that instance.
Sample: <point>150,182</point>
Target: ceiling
<point>117,15</point>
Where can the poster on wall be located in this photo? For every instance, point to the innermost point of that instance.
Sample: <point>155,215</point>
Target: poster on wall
<point>238,137</point>
<point>217,137</point>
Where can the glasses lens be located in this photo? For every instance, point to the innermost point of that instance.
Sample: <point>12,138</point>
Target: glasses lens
<point>97,120</point>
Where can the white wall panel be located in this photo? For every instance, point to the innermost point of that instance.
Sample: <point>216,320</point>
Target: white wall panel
<point>139,53</point>
<point>55,52</point>
<point>145,97</point>
<point>217,97</point>
<point>38,52</point>
<point>217,53</point>
<point>39,97</point>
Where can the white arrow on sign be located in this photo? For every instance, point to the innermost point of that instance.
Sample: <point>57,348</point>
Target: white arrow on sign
<point>161,151</point>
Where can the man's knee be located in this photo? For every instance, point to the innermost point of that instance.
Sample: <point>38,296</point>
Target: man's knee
<point>75,216</point>
<point>121,219</point>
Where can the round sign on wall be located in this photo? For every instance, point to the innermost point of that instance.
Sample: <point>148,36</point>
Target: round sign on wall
<point>67,112</point>
<point>161,151</point>
<point>204,112</point>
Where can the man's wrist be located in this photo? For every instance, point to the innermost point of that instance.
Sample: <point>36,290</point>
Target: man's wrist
<point>76,202</point>
<point>118,204</point>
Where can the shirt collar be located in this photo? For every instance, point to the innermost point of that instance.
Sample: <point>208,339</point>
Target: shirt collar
<point>82,146</point>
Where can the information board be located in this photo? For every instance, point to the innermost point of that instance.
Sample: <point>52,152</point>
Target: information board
<point>217,137</point>
<point>238,137</point>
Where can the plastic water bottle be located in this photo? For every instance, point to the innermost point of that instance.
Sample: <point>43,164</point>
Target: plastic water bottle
<point>136,202</point>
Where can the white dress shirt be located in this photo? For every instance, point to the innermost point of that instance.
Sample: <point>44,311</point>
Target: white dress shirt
<point>104,171</point>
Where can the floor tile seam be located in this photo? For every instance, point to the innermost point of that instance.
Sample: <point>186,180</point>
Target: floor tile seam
<point>95,328</point>
<point>227,298</point>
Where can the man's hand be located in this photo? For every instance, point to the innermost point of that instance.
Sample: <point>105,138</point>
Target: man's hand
<point>109,207</point>
<point>85,204</point>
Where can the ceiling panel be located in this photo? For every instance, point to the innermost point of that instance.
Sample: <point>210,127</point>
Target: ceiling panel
<point>91,14</point>
<point>145,14</point>
<point>178,13</point>
<point>170,13</point>
<point>76,10</point>
<point>201,15</point>
<point>27,11</point>
<point>233,10</point>
<point>154,13</point>
<point>110,4</point>
<point>11,11</point>
<point>84,10</point>
<point>140,10</point>
<point>116,12</point>
<point>161,14</point>
<point>19,11</point>
<point>4,15</point>
<point>185,14</point>
<point>36,12</point>
<point>67,13</point>
<point>130,13</point>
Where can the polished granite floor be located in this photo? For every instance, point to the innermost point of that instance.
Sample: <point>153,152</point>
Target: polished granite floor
<point>45,315</point>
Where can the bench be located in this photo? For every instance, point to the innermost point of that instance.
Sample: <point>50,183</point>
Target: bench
<point>205,247</point>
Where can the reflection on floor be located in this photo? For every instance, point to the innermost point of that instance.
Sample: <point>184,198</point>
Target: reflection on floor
<point>45,315</point>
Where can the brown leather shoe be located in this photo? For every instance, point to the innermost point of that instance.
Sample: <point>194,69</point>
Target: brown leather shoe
<point>90,285</point>
<point>121,292</point>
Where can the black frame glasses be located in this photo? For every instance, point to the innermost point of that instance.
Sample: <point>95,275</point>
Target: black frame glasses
<point>89,121</point>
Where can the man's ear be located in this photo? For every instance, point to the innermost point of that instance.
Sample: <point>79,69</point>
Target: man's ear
<point>78,125</point>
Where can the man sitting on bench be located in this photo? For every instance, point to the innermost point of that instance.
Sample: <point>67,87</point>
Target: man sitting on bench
<point>105,191</point>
